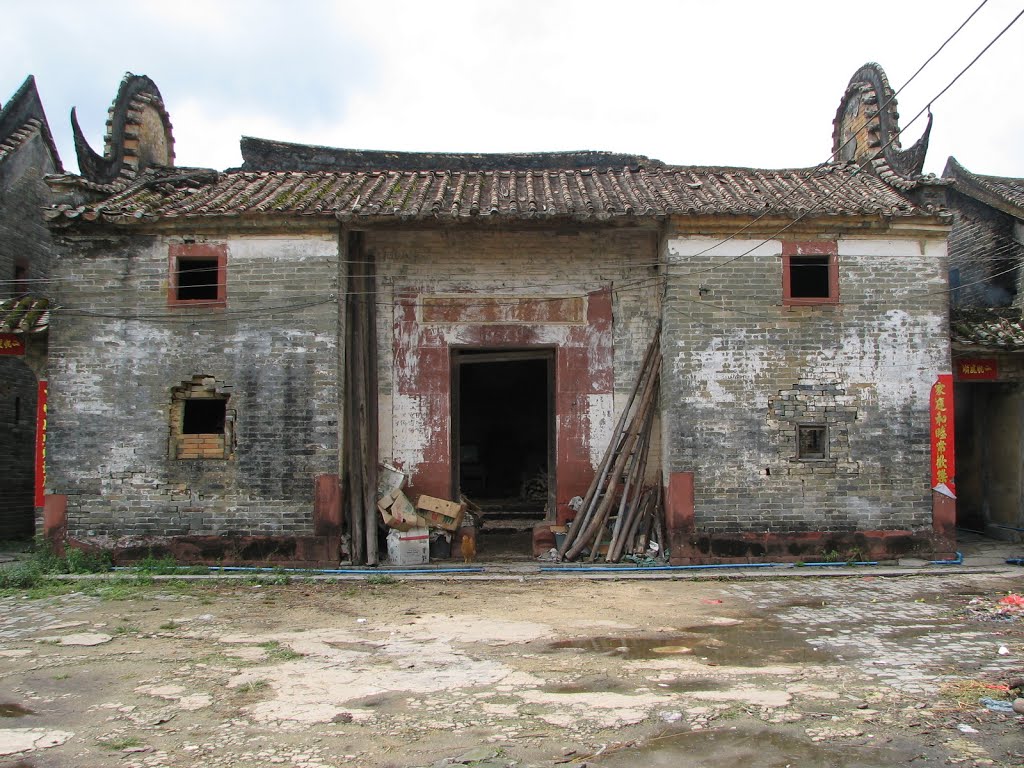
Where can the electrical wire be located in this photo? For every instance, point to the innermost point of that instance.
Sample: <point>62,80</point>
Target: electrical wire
<point>639,284</point>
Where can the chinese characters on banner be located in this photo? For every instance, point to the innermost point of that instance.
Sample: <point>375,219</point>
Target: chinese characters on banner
<point>943,469</point>
<point>977,369</point>
<point>40,444</point>
<point>11,344</point>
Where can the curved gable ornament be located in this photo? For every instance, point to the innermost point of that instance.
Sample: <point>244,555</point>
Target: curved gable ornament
<point>866,130</point>
<point>138,136</point>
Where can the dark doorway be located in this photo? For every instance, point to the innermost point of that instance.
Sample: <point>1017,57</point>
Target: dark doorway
<point>503,434</point>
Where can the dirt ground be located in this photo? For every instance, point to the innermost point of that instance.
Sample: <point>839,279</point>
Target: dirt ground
<point>811,671</point>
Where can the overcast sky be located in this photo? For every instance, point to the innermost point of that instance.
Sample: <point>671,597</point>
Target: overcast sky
<point>715,82</point>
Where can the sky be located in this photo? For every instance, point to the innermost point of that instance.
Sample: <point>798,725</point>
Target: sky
<point>722,82</point>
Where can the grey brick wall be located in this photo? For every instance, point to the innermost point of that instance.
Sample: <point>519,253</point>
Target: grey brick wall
<point>111,381</point>
<point>23,239</point>
<point>742,370</point>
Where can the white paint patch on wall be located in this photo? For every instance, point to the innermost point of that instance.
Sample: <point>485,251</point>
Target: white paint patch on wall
<point>714,247</point>
<point>283,249</point>
<point>411,424</point>
<point>896,356</point>
<point>728,364</point>
<point>601,413</point>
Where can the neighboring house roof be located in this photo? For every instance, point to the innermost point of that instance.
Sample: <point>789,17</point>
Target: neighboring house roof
<point>268,155</point>
<point>641,189</point>
<point>991,328</point>
<point>25,314</point>
<point>22,118</point>
<point>1001,192</point>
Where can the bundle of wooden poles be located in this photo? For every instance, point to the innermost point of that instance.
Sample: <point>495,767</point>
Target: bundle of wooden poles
<point>619,507</point>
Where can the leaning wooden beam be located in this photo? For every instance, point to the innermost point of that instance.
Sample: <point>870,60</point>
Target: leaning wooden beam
<point>632,492</point>
<point>584,515</point>
<point>601,515</point>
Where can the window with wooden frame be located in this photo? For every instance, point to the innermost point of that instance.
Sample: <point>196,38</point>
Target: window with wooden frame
<point>197,275</point>
<point>202,426</point>
<point>810,273</point>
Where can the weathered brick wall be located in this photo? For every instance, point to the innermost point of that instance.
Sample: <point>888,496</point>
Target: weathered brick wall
<point>984,255</point>
<point>509,263</point>
<point>23,235</point>
<point>112,378</point>
<point>24,239</point>
<point>741,370</point>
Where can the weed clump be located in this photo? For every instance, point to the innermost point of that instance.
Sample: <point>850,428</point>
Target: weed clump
<point>42,563</point>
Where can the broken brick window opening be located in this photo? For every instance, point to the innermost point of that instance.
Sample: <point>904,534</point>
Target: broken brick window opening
<point>201,424</point>
<point>812,441</point>
<point>203,416</point>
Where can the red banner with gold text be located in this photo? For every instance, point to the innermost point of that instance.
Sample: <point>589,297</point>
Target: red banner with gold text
<point>40,444</point>
<point>943,454</point>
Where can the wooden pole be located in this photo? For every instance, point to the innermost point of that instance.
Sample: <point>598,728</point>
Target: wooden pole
<point>584,516</point>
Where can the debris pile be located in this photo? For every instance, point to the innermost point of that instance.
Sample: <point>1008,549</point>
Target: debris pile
<point>1007,608</point>
<point>621,514</point>
<point>417,527</point>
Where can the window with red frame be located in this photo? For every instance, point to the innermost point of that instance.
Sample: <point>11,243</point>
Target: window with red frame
<point>198,274</point>
<point>810,273</point>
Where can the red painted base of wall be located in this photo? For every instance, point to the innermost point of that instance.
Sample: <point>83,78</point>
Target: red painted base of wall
<point>688,546</point>
<point>815,546</point>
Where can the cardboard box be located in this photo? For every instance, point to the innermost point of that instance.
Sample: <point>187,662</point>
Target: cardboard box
<point>398,512</point>
<point>410,547</point>
<point>441,513</point>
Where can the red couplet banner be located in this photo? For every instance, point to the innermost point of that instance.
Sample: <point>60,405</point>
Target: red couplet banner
<point>40,444</point>
<point>943,453</point>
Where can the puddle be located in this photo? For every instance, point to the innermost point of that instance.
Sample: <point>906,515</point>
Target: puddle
<point>388,701</point>
<point>594,684</point>
<point>14,710</point>
<point>750,745</point>
<point>742,645</point>
<point>690,684</point>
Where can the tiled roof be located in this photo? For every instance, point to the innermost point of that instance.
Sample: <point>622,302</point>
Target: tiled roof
<point>21,118</point>
<point>1001,328</point>
<point>25,314</point>
<point>1002,192</point>
<point>18,137</point>
<point>456,195</point>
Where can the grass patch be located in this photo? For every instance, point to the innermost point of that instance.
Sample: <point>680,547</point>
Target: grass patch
<point>381,580</point>
<point>169,625</point>
<point>965,693</point>
<point>275,578</point>
<point>119,743</point>
<point>166,566</point>
<point>118,587</point>
<point>127,629</point>
<point>277,652</point>
<point>42,563</point>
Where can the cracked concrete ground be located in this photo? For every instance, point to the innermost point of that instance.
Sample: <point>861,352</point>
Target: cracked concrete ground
<point>822,669</point>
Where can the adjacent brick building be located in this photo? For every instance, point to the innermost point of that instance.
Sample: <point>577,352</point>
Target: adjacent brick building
<point>986,249</point>
<point>27,155</point>
<point>235,351</point>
